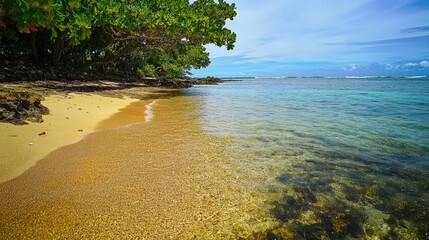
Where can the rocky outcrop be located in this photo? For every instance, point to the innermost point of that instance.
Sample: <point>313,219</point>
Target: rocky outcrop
<point>83,86</point>
<point>168,82</point>
<point>19,107</point>
<point>185,82</point>
<point>207,81</point>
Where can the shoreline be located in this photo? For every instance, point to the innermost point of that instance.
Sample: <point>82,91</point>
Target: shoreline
<point>72,117</point>
<point>75,109</point>
<point>149,180</point>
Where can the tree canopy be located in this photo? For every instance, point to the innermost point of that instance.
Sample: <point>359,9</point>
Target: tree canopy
<point>144,37</point>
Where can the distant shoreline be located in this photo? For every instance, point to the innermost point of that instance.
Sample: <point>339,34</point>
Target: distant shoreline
<point>325,77</point>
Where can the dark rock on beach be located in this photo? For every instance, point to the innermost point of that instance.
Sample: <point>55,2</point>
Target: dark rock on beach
<point>167,82</point>
<point>19,107</point>
<point>185,82</point>
<point>82,86</point>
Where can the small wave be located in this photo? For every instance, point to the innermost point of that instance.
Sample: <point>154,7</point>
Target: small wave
<point>412,77</point>
<point>363,77</point>
<point>277,77</point>
<point>148,111</point>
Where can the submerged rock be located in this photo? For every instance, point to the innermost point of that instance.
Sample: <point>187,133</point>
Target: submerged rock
<point>19,107</point>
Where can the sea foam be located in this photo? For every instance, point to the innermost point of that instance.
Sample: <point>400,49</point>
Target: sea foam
<point>148,112</point>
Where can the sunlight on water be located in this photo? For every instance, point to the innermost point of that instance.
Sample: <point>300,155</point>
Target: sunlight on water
<point>326,158</point>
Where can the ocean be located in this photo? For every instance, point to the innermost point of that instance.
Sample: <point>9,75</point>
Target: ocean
<point>326,158</point>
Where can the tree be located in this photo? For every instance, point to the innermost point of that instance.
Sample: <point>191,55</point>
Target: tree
<point>166,34</point>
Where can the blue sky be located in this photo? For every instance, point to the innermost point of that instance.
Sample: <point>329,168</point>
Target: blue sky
<point>325,38</point>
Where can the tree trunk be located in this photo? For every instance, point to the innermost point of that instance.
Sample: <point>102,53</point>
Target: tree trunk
<point>58,47</point>
<point>34,51</point>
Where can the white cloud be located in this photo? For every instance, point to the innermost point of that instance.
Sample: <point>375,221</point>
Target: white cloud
<point>424,64</point>
<point>411,64</point>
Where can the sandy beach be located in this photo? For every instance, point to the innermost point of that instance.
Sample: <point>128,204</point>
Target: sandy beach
<point>209,120</point>
<point>151,180</point>
<point>72,116</point>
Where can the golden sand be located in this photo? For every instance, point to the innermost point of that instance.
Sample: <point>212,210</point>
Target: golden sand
<point>152,180</point>
<point>72,117</point>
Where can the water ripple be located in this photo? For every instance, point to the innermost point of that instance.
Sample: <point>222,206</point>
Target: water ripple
<point>341,158</point>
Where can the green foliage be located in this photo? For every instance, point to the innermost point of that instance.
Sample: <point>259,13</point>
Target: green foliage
<point>167,36</point>
<point>147,70</point>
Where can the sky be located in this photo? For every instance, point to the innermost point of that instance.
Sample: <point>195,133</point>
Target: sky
<point>280,38</point>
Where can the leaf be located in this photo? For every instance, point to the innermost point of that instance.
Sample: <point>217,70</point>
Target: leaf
<point>54,33</point>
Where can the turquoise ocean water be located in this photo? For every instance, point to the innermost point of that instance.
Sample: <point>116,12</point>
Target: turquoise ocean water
<point>334,158</point>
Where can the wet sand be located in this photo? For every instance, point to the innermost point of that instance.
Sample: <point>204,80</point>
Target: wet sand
<point>71,117</point>
<point>153,180</point>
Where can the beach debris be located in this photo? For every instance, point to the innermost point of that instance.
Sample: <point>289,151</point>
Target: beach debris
<point>42,134</point>
<point>80,109</point>
<point>80,130</point>
<point>30,144</point>
<point>67,118</point>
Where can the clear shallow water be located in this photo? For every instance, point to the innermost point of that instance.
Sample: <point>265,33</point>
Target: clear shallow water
<point>330,158</point>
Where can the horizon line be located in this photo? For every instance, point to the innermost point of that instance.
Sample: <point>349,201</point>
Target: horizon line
<point>351,77</point>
